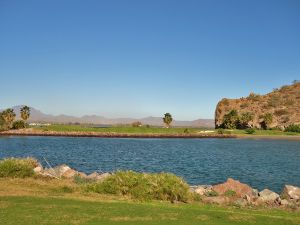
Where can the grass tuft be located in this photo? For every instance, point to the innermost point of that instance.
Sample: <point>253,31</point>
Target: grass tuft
<point>161,186</point>
<point>17,168</point>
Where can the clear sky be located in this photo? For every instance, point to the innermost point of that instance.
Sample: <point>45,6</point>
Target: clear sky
<point>136,58</point>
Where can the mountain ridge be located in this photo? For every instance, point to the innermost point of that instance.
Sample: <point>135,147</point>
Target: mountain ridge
<point>39,116</point>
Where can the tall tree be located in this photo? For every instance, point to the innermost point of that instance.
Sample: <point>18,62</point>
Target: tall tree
<point>167,119</point>
<point>8,116</point>
<point>25,112</point>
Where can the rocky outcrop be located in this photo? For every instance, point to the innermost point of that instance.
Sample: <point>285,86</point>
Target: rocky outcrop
<point>235,186</point>
<point>283,104</point>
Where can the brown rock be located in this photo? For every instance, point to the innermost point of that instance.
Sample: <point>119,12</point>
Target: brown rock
<point>233,185</point>
<point>268,196</point>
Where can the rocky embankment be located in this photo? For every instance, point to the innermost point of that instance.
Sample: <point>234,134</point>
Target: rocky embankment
<point>34,132</point>
<point>232,192</point>
<point>283,104</point>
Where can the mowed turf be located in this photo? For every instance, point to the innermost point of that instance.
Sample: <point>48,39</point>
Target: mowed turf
<point>49,210</point>
<point>52,201</point>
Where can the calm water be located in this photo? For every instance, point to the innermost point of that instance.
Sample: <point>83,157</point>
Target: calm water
<point>260,163</point>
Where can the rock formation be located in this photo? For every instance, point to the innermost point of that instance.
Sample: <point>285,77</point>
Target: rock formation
<point>283,104</point>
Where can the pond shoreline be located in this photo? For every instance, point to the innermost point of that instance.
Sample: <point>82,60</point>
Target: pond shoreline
<point>109,134</point>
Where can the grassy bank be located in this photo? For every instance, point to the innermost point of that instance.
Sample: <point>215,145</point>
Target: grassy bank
<point>35,201</point>
<point>119,129</point>
<point>159,130</point>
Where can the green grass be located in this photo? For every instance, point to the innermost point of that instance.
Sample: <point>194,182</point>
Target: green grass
<point>119,129</point>
<point>157,130</point>
<point>48,210</point>
<point>265,133</point>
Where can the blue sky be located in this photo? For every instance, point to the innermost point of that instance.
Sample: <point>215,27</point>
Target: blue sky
<point>139,58</point>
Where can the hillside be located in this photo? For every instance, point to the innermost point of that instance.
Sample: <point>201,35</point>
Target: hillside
<point>38,116</point>
<point>283,104</point>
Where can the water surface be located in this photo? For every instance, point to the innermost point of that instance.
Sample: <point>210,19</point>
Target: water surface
<point>259,163</point>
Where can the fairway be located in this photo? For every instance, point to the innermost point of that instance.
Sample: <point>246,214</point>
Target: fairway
<point>49,210</point>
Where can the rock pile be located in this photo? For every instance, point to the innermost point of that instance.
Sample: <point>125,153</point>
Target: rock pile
<point>239,194</point>
<point>64,171</point>
<point>230,192</point>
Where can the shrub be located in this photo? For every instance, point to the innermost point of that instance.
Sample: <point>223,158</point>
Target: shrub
<point>136,124</point>
<point>211,194</point>
<point>162,186</point>
<point>230,193</point>
<point>231,120</point>
<point>254,97</point>
<point>293,128</point>
<point>20,168</point>
<point>267,120</point>
<point>244,119</point>
<point>250,131</point>
<point>186,131</point>
<point>19,124</point>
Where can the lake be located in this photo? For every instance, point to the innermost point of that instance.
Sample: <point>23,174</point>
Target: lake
<point>265,163</point>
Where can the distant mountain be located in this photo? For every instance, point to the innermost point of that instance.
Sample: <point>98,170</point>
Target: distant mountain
<point>38,116</point>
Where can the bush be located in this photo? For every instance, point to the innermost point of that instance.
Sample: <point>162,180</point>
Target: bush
<point>293,128</point>
<point>211,194</point>
<point>186,131</point>
<point>19,124</point>
<point>162,186</point>
<point>250,131</point>
<point>136,124</point>
<point>20,168</point>
<point>254,97</point>
<point>231,120</point>
<point>230,193</point>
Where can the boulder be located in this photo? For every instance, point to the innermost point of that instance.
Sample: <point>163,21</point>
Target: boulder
<point>202,189</point>
<point>291,192</point>
<point>98,177</point>
<point>82,175</point>
<point>60,171</point>
<point>38,169</point>
<point>220,200</point>
<point>284,202</point>
<point>234,185</point>
<point>268,196</point>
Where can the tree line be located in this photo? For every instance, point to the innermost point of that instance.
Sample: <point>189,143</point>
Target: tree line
<point>8,119</point>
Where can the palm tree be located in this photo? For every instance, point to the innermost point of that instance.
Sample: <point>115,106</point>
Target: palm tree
<point>25,112</point>
<point>8,116</point>
<point>168,119</point>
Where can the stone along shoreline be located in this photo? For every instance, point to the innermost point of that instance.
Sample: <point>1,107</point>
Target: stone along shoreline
<point>231,192</point>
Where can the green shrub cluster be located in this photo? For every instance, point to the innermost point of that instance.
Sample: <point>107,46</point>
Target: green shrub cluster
<point>17,168</point>
<point>19,124</point>
<point>293,128</point>
<point>142,186</point>
<point>233,120</point>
